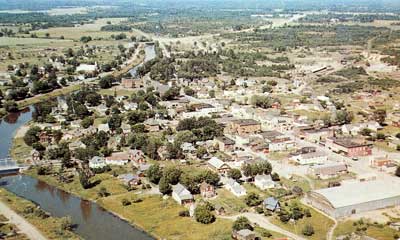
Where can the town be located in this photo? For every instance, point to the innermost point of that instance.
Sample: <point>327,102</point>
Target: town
<point>240,133</point>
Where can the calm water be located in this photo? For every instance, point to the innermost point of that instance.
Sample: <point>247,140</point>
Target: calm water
<point>150,54</point>
<point>92,221</point>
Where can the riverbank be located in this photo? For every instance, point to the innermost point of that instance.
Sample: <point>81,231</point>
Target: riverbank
<point>44,97</point>
<point>50,227</point>
<point>155,215</point>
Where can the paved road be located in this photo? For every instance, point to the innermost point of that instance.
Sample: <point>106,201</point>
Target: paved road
<point>24,226</point>
<point>263,222</point>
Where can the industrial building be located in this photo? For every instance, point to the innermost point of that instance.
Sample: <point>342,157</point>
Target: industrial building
<point>356,197</point>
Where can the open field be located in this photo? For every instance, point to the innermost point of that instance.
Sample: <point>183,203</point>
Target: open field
<point>12,41</point>
<point>377,231</point>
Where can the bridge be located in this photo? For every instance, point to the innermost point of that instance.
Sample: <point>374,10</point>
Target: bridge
<point>9,166</point>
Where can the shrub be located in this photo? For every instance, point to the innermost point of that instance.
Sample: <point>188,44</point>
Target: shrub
<point>241,223</point>
<point>125,202</point>
<point>184,213</point>
<point>203,215</point>
<point>308,230</point>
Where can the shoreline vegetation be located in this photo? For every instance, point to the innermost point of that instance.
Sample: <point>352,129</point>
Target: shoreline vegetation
<point>144,212</point>
<point>51,227</point>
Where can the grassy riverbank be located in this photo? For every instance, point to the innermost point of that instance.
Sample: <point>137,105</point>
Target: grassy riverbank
<point>44,97</point>
<point>157,216</point>
<point>50,227</point>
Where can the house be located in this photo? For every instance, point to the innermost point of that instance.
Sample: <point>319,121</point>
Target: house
<point>120,158</point>
<point>245,126</point>
<point>244,234</point>
<point>271,204</point>
<point>349,146</point>
<point>277,141</point>
<point>45,137</point>
<point>35,155</point>
<point>75,145</point>
<point>315,135</point>
<point>152,125</point>
<point>187,147</point>
<point>311,158</point>
<point>126,128</point>
<point>130,180</point>
<point>218,165</point>
<point>225,144</point>
<point>137,156</point>
<point>132,83</point>
<point>207,190</point>
<point>142,168</point>
<point>87,68</point>
<point>235,188</point>
<point>103,127</point>
<point>219,209</point>
<point>181,194</point>
<point>329,170</point>
<point>355,129</point>
<point>97,162</point>
<point>264,182</point>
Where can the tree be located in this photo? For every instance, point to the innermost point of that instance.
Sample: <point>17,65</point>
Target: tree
<point>308,230</point>
<point>235,174</point>
<point>154,173</point>
<point>115,122</point>
<point>171,93</point>
<point>87,122</point>
<point>201,151</point>
<point>241,223</point>
<point>10,106</point>
<point>344,117</point>
<point>398,171</point>
<point>32,136</point>
<point>380,116</point>
<point>106,82</point>
<point>253,199</point>
<point>171,175</point>
<point>189,91</point>
<point>164,186</point>
<point>366,132</point>
<point>203,214</point>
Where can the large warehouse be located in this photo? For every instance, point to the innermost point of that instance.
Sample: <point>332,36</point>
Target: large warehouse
<point>356,197</point>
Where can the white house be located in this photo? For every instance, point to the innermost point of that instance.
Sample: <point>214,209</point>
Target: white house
<point>311,158</point>
<point>181,194</point>
<point>235,188</point>
<point>355,129</point>
<point>97,162</point>
<point>264,182</point>
<point>119,159</point>
<point>103,127</point>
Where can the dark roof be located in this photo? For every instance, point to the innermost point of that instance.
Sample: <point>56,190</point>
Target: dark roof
<point>246,122</point>
<point>226,140</point>
<point>349,143</point>
<point>270,134</point>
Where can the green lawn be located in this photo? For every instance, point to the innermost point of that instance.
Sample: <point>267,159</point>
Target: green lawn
<point>12,41</point>
<point>20,151</point>
<point>381,232</point>
<point>320,223</point>
<point>230,202</point>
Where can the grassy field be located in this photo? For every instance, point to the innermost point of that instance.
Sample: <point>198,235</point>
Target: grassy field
<point>155,215</point>
<point>50,227</point>
<point>320,223</point>
<point>20,151</point>
<point>381,232</point>
<point>12,41</point>
<point>230,202</point>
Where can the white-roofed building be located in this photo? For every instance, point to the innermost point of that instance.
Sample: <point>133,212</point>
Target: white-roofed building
<point>181,194</point>
<point>311,158</point>
<point>235,188</point>
<point>356,197</point>
<point>264,182</point>
<point>218,165</point>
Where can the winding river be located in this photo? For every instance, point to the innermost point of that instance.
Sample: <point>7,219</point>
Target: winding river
<point>92,221</point>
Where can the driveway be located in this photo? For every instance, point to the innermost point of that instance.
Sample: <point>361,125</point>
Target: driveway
<point>263,222</point>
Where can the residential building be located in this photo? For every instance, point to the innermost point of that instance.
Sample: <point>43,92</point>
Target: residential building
<point>207,190</point>
<point>271,204</point>
<point>218,165</point>
<point>235,188</point>
<point>120,158</point>
<point>311,158</point>
<point>181,194</point>
<point>97,162</point>
<point>264,182</point>
<point>130,180</point>
<point>277,141</point>
<point>225,144</point>
<point>244,234</point>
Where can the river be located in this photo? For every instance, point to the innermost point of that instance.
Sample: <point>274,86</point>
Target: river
<point>92,221</point>
<point>150,54</point>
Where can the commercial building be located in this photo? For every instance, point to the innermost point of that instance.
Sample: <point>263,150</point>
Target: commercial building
<point>356,197</point>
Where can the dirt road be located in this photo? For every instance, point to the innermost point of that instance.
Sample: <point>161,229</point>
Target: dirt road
<point>24,226</point>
